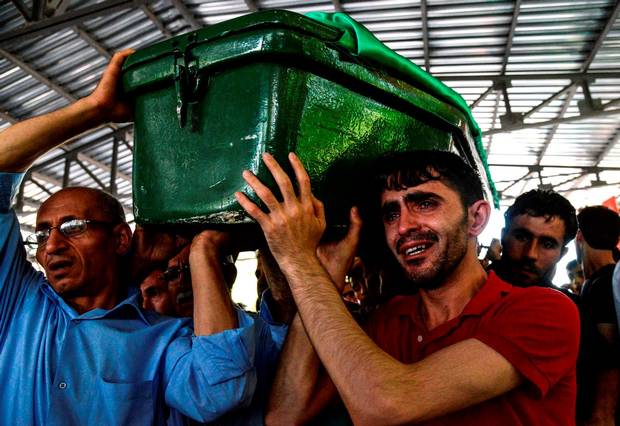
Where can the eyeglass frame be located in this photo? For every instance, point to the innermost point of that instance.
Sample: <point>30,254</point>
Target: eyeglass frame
<point>36,244</point>
<point>184,267</point>
<point>174,272</point>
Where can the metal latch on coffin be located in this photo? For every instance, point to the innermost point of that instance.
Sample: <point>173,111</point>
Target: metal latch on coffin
<point>189,84</point>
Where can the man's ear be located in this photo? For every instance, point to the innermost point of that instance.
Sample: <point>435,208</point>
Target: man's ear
<point>479,214</point>
<point>123,238</point>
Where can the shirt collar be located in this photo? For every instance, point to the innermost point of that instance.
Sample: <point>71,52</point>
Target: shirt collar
<point>127,309</point>
<point>493,290</point>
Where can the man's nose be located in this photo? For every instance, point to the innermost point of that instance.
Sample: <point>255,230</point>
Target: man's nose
<point>55,242</point>
<point>531,250</point>
<point>147,303</point>
<point>407,222</point>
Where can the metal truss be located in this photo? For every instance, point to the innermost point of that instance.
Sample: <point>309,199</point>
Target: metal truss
<point>73,17</point>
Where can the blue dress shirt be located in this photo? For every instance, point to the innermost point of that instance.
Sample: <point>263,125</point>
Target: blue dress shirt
<point>122,366</point>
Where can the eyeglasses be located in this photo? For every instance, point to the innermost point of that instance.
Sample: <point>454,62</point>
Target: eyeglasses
<point>174,272</point>
<point>69,228</point>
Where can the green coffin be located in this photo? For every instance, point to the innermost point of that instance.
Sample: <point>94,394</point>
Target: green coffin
<point>209,103</point>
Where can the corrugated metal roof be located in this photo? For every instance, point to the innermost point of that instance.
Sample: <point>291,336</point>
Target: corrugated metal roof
<point>531,58</point>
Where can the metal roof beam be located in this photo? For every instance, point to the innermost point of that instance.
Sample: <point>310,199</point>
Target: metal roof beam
<point>22,9</point>
<point>155,20</point>
<point>80,155</point>
<point>70,97</point>
<point>67,19</point>
<point>92,42</point>
<point>588,169</point>
<point>584,188</point>
<point>425,43</point>
<point>611,20</point>
<point>576,77</point>
<point>45,178</point>
<point>90,173</point>
<point>569,98</point>
<point>511,34</point>
<point>548,100</point>
<point>516,181</point>
<point>252,6</point>
<point>55,7</point>
<point>571,119</point>
<point>45,80</point>
<point>481,97</point>
<point>38,76</point>
<point>102,166</point>
<point>40,186</point>
<point>611,103</point>
<point>180,6</point>
<point>569,180</point>
<point>611,143</point>
<point>38,7</point>
<point>493,120</point>
<point>32,203</point>
<point>75,151</point>
<point>7,117</point>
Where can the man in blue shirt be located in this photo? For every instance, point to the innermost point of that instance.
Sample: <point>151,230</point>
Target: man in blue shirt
<point>76,348</point>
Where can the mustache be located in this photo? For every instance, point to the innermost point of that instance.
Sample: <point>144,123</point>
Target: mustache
<point>416,236</point>
<point>528,266</point>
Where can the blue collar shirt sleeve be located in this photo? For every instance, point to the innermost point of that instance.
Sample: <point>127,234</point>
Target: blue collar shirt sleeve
<point>122,366</point>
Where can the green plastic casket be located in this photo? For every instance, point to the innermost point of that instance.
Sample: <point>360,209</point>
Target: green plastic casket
<point>209,103</point>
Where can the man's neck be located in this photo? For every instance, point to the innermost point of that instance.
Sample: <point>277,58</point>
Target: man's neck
<point>595,260</point>
<point>103,300</point>
<point>447,302</point>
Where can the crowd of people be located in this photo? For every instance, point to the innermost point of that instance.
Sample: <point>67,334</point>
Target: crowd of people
<point>139,328</point>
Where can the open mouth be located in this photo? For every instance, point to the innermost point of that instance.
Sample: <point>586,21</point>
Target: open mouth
<point>417,249</point>
<point>58,265</point>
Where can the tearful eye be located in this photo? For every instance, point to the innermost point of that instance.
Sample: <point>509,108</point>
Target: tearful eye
<point>425,205</point>
<point>520,237</point>
<point>390,217</point>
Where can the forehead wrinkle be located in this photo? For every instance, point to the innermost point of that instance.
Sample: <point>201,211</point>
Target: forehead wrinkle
<point>79,203</point>
<point>532,233</point>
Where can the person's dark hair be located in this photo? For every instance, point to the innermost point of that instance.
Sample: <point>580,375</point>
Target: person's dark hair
<point>600,227</point>
<point>399,171</point>
<point>571,265</point>
<point>547,204</point>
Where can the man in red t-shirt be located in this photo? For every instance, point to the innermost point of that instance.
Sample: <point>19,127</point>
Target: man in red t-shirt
<point>467,349</point>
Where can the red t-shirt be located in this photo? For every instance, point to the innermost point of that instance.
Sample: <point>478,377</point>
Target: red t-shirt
<point>535,329</point>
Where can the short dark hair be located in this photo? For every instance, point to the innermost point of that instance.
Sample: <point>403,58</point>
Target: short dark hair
<point>572,264</point>
<point>398,171</point>
<point>547,204</point>
<point>600,227</point>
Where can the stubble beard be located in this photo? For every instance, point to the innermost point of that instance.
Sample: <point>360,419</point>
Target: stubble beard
<point>434,276</point>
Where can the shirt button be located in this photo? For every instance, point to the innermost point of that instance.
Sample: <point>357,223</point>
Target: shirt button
<point>62,385</point>
<point>419,338</point>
